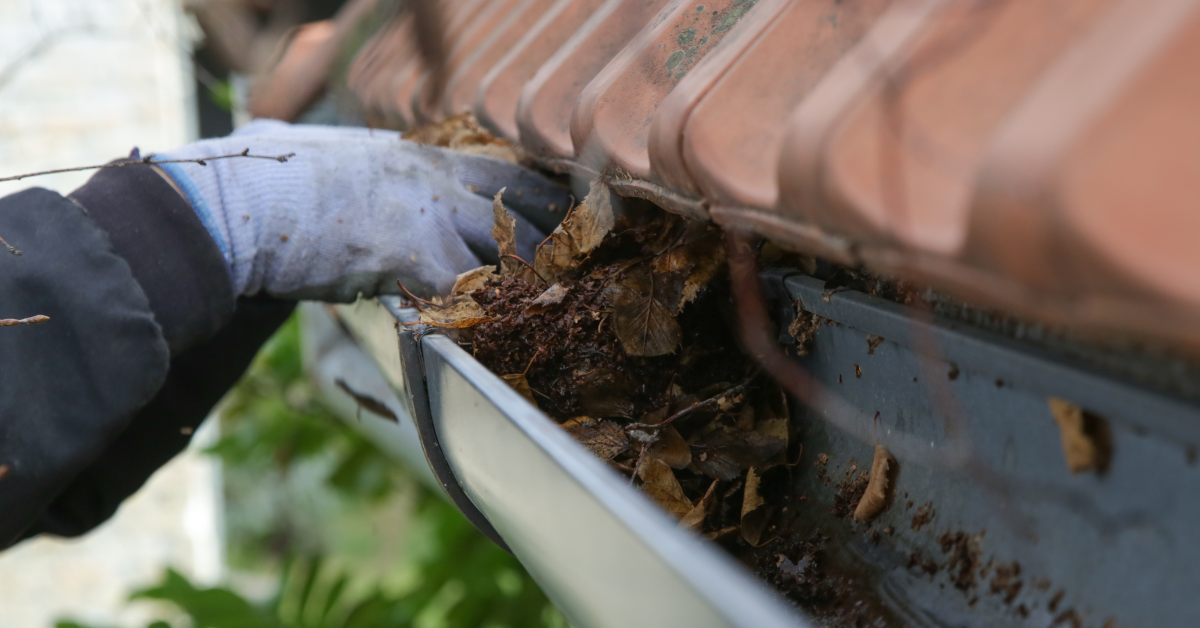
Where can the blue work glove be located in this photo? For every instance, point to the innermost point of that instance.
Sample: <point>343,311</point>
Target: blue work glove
<point>354,210</point>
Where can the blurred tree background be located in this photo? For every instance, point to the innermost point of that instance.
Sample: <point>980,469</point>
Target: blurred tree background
<point>324,531</point>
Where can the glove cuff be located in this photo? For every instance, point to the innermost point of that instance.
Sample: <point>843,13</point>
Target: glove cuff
<point>199,205</point>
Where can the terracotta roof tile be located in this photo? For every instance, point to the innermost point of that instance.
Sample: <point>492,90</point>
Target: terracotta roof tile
<point>1038,156</point>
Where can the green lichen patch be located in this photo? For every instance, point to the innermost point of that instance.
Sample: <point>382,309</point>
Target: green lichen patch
<point>675,59</point>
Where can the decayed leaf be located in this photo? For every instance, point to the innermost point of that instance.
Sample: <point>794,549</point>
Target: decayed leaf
<point>659,483</point>
<point>588,227</point>
<point>604,438</point>
<point>772,424</point>
<point>686,258</point>
<point>504,232</point>
<point>803,328</point>
<point>876,495</point>
<point>726,452</point>
<point>462,313</point>
<point>579,234</point>
<point>728,402</point>
<point>751,500</point>
<point>604,393</point>
<point>642,322</point>
<point>723,532</point>
<point>708,257</point>
<point>671,448</point>
<point>520,383</point>
<point>754,515</point>
<point>696,516</point>
<point>552,296</point>
<point>1087,442</point>
<point>462,132</point>
<point>473,280</point>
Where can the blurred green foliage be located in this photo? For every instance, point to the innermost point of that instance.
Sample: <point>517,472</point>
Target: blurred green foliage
<point>348,539</point>
<point>221,95</point>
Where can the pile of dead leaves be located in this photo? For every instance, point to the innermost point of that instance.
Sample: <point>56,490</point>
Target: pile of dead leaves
<point>618,330</point>
<point>462,132</point>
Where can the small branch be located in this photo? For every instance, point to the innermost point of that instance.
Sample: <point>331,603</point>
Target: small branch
<point>641,456</point>
<point>150,161</point>
<point>371,404</point>
<point>11,249</point>
<point>535,355</point>
<point>414,298</point>
<point>539,275</point>
<point>656,427</point>
<point>570,208</point>
<point>32,320</point>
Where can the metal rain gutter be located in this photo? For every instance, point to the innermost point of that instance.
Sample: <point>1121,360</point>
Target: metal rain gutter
<point>603,552</point>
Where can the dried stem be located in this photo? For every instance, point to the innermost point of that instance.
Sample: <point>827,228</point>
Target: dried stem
<point>32,320</point>
<point>535,355</point>
<point>570,209</point>
<point>11,249</point>
<point>150,161</point>
<point>414,298</point>
<point>530,266</point>
<point>694,407</point>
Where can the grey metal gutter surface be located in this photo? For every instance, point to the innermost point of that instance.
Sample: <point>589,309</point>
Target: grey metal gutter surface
<point>1117,548</point>
<point>1114,549</point>
<point>331,355</point>
<point>604,554</point>
<point>601,550</point>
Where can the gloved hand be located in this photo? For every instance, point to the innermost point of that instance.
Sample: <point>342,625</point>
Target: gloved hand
<point>354,210</point>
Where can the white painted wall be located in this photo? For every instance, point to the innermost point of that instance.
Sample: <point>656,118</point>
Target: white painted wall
<point>82,82</point>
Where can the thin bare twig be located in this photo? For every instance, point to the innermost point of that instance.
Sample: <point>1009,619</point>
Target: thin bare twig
<point>699,405</point>
<point>150,161</point>
<point>570,208</point>
<point>414,298</point>
<point>32,320</point>
<point>11,249</point>
<point>539,275</point>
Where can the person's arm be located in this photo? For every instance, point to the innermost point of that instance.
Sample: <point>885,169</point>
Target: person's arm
<point>157,301</point>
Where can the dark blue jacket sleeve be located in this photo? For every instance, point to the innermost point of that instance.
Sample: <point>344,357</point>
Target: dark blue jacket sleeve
<point>143,339</point>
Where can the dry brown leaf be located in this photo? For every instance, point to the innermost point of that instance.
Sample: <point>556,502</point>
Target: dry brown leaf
<point>775,431</point>
<point>695,517</point>
<point>876,495</point>
<point>708,258</point>
<point>578,235</point>
<point>728,402</point>
<point>604,392</point>
<point>671,448</point>
<point>659,483</point>
<point>754,515</point>
<point>645,326</point>
<point>686,260</point>
<point>462,313</point>
<point>589,226</point>
<point>462,132</point>
<point>552,296</point>
<point>473,280</point>
<point>772,423</point>
<point>804,329</point>
<point>604,438</point>
<point>1086,439</point>
<point>751,500</point>
<point>726,531</point>
<point>504,232</point>
<point>726,452</point>
<point>520,383</point>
